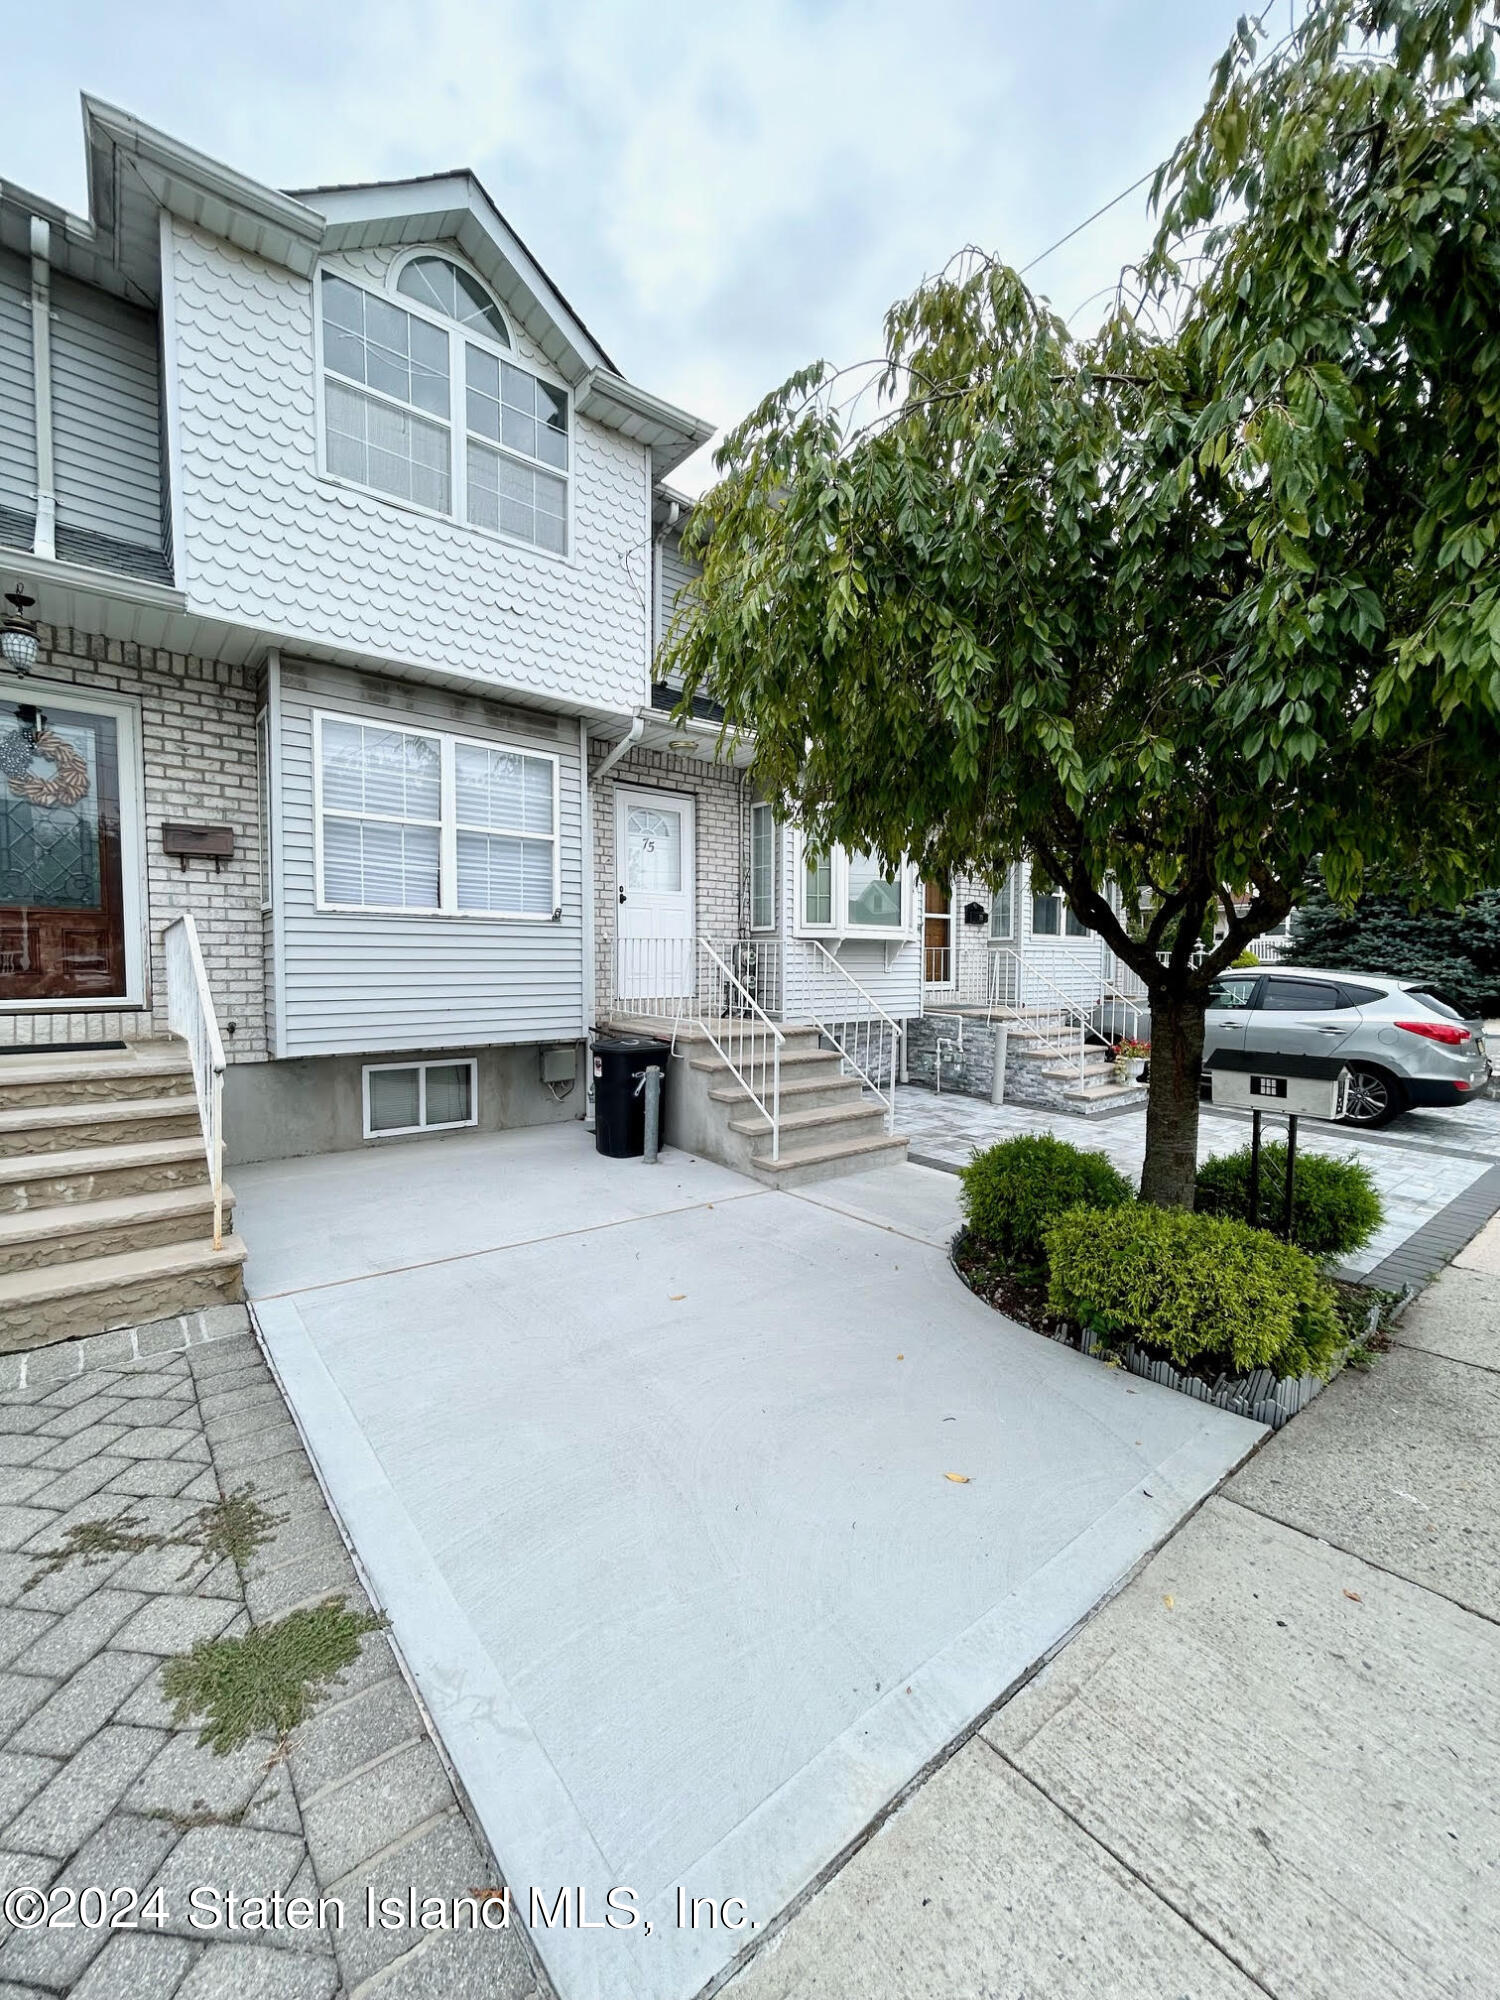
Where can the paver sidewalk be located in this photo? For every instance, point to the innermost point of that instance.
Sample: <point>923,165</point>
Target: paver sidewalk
<point>1270,1767</point>
<point>99,1787</point>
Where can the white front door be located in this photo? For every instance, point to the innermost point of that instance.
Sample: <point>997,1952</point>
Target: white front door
<point>654,895</point>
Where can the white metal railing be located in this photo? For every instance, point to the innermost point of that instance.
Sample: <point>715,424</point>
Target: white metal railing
<point>1270,950</point>
<point>1086,1004</point>
<point>745,1036</point>
<point>190,1013</point>
<point>690,983</point>
<point>1011,975</point>
<point>867,1038</point>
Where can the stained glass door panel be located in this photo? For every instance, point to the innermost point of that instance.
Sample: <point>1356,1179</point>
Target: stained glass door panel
<point>62,931</point>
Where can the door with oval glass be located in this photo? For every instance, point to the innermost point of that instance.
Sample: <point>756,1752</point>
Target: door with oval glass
<point>67,800</point>
<point>654,895</point>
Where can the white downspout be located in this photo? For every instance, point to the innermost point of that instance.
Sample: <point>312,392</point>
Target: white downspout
<point>590,970</point>
<point>657,635</point>
<point>631,737</point>
<point>628,741</point>
<point>44,542</point>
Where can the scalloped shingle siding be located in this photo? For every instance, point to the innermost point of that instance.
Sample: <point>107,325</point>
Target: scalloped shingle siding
<point>268,542</point>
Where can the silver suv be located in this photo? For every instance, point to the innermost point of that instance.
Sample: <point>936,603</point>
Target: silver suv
<point>1401,1046</point>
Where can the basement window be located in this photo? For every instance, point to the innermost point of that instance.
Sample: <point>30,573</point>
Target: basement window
<point>420,1097</point>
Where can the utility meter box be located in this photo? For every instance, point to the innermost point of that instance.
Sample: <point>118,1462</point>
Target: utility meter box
<point>1293,1086</point>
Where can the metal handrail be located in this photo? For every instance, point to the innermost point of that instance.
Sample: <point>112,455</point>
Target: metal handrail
<point>1061,1002</point>
<point>846,1035</point>
<point>190,1013</point>
<point>745,1028</point>
<point>689,983</point>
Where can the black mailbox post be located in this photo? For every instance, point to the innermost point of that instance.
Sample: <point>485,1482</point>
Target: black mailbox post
<point>1288,1086</point>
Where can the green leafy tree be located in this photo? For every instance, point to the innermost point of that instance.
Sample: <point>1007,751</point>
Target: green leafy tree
<point>1190,602</point>
<point>1453,953</point>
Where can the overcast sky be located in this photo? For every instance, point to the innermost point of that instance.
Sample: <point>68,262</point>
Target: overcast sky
<point>723,192</point>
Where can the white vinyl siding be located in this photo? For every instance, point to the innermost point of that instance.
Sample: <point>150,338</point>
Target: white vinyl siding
<point>762,868</point>
<point>377,981</point>
<point>417,411</point>
<point>106,417</point>
<point>17,394</point>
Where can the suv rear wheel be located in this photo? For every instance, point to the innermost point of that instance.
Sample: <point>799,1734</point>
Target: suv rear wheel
<point>1375,1097</point>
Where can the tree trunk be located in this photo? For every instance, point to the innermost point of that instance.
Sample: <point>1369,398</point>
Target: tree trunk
<point>1171,1168</point>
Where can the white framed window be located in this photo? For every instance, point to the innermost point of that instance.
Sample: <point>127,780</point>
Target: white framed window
<point>424,403</point>
<point>420,1097</point>
<point>426,823</point>
<point>1052,916</point>
<point>263,802</point>
<point>853,895</point>
<point>762,868</point>
<point>1003,911</point>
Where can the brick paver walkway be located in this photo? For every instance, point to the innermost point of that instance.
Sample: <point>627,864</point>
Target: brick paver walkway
<point>99,1788</point>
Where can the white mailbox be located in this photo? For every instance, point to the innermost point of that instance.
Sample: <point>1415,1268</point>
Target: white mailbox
<point>1293,1086</point>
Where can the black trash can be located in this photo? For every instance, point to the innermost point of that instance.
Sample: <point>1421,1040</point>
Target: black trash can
<point>619,1107</point>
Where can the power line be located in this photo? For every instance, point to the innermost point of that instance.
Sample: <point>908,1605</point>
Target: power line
<point>1150,174</point>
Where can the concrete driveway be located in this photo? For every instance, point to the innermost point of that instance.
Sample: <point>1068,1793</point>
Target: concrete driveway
<point>650,1468</point>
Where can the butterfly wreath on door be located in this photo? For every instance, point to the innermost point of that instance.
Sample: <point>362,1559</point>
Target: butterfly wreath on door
<point>70,774</point>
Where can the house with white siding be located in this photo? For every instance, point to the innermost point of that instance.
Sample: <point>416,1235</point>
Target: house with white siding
<point>327,530</point>
<point>340,802</point>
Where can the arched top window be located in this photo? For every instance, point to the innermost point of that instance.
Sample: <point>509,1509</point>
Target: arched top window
<point>444,287</point>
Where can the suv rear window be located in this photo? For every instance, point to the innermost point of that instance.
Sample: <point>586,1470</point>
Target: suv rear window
<point>1431,1000</point>
<point>1299,996</point>
<point>1359,996</point>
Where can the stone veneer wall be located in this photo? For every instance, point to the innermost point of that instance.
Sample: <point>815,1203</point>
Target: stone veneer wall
<point>198,750</point>
<point>721,816</point>
<point>969,1069</point>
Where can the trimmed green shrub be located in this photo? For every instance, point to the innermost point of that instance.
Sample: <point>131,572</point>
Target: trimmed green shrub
<point>1013,1190</point>
<point>1335,1206</point>
<point>1207,1293</point>
<point>1245,961</point>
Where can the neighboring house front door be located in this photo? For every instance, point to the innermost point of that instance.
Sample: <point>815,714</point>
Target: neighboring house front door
<point>654,895</point>
<point>938,967</point>
<point>68,848</point>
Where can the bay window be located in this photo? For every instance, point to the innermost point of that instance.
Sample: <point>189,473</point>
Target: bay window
<point>853,895</point>
<point>421,404</point>
<point>416,820</point>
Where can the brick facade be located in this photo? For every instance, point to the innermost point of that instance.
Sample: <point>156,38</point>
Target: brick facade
<point>198,751</point>
<point>721,818</point>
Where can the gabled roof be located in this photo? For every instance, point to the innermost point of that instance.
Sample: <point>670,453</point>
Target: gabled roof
<point>136,171</point>
<point>455,207</point>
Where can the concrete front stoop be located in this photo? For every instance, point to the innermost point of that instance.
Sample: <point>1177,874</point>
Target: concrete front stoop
<point>106,1207</point>
<point>830,1124</point>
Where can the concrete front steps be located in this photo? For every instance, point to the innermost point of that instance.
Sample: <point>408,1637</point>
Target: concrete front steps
<point>830,1125</point>
<point>106,1207</point>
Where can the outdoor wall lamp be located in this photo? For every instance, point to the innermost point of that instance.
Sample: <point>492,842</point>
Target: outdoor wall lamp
<point>18,641</point>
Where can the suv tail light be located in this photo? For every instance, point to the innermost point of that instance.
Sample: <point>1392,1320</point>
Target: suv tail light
<point>1436,1031</point>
